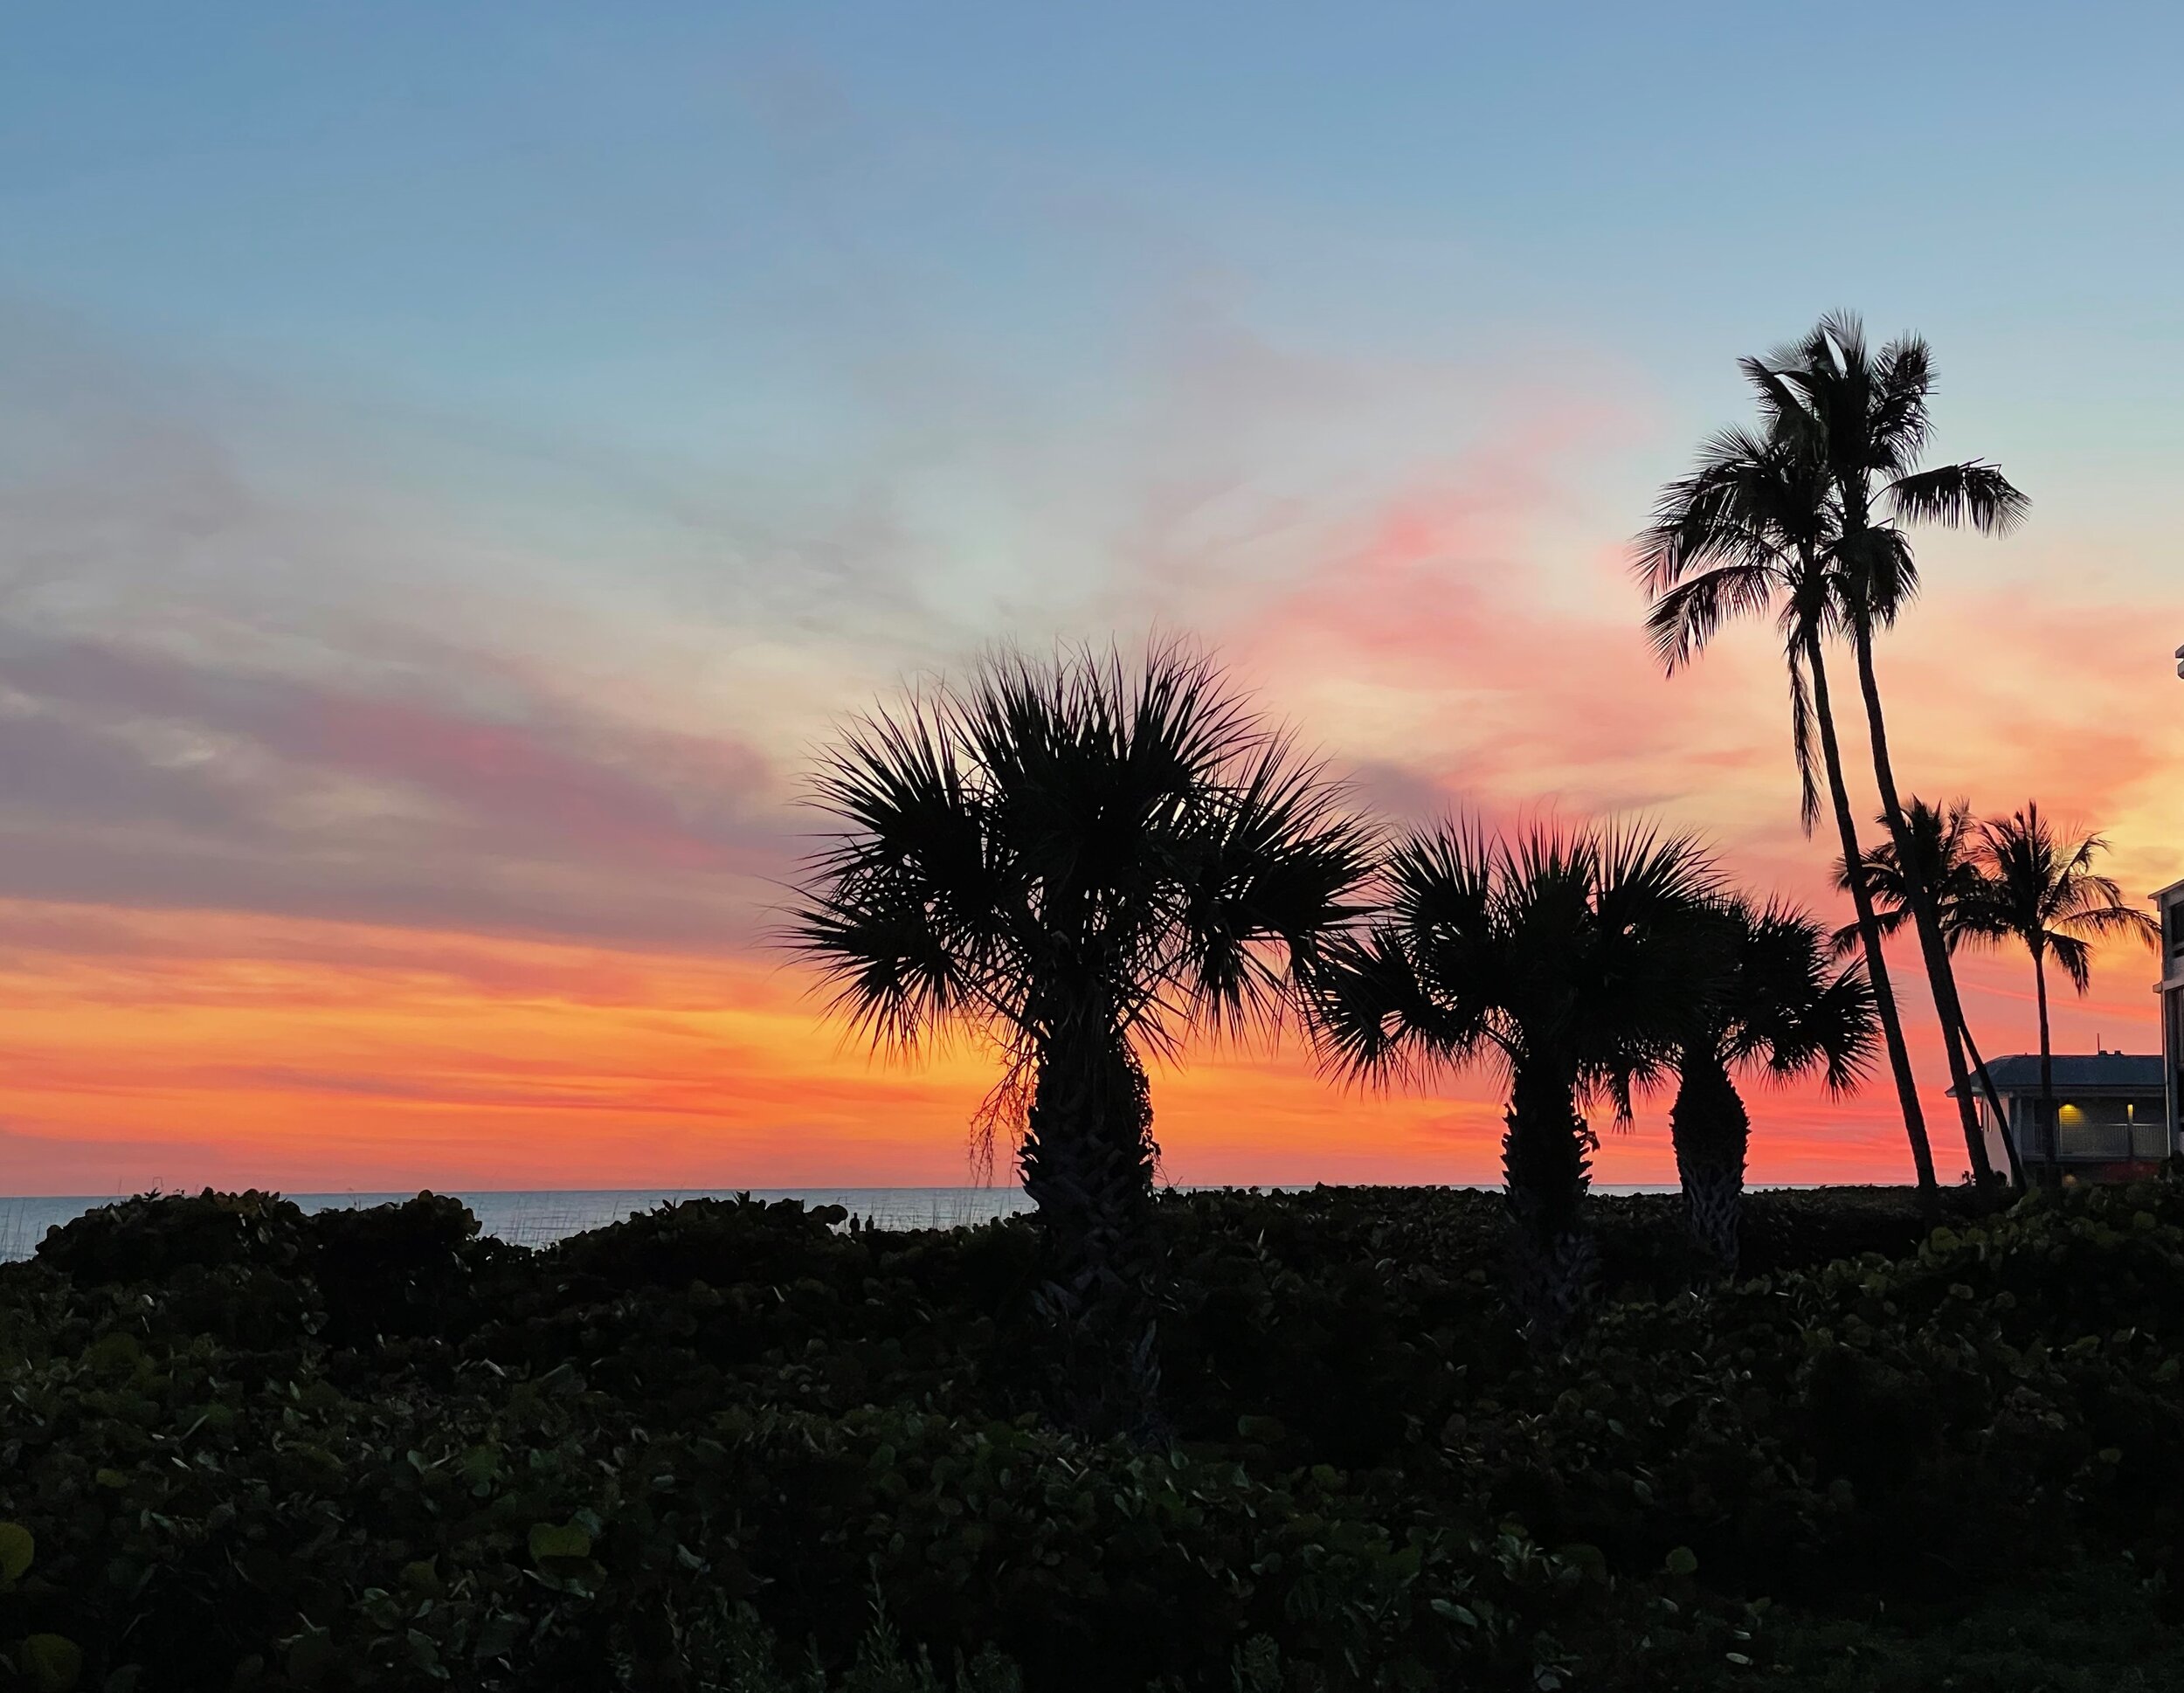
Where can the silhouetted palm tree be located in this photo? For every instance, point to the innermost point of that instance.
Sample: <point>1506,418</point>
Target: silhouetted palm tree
<point>1086,865</point>
<point>1565,960</point>
<point>1772,1006</point>
<point>2045,892</point>
<point>1945,844</point>
<point>1752,532</point>
<point>1865,417</point>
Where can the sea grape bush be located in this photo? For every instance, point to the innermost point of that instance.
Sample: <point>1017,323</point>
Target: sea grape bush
<point>731,1445</point>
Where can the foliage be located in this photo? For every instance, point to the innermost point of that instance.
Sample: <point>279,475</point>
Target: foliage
<point>1083,864</point>
<point>1769,1004</point>
<point>737,1446</point>
<point>2044,892</point>
<point>1570,961</point>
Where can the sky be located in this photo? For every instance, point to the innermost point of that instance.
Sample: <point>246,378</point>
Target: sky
<point>459,463</point>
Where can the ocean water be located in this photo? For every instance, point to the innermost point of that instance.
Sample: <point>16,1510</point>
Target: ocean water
<point>540,1219</point>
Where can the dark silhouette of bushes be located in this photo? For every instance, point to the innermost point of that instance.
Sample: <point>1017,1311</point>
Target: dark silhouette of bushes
<point>371,1450</point>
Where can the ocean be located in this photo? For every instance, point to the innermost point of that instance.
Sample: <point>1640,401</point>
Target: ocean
<point>540,1219</point>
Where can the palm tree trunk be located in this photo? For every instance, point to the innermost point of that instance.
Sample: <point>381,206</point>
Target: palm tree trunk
<point>1088,1161</point>
<point>1545,1168</point>
<point>2001,1117</point>
<point>1869,931</point>
<point>2052,1146</point>
<point>1712,1131</point>
<point>1941,978</point>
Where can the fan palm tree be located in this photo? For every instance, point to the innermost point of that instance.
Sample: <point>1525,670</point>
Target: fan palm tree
<point>1865,419</point>
<point>2044,892</point>
<point>1773,1006</point>
<point>1561,959</point>
<point>1087,865</point>
<point>1944,843</point>
<point>1752,532</point>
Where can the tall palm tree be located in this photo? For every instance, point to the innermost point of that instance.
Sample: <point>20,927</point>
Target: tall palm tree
<point>1752,532</point>
<point>1086,864</point>
<point>1562,959</point>
<point>1773,1006</point>
<point>1866,418</point>
<point>2045,892</point>
<point>1945,844</point>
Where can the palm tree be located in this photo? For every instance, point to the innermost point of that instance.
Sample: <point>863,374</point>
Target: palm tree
<point>1086,865</point>
<point>1773,1006</point>
<point>2045,892</point>
<point>1945,846</point>
<point>1563,960</point>
<point>1865,419</point>
<point>1752,532</point>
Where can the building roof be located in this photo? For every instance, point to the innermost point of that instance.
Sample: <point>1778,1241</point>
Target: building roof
<point>2074,1072</point>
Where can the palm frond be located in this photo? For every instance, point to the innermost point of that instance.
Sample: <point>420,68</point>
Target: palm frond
<point>2113,921</point>
<point>1898,420</point>
<point>1778,1004</point>
<point>2076,959</point>
<point>1686,617</point>
<point>1804,732</point>
<point>1956,496</point>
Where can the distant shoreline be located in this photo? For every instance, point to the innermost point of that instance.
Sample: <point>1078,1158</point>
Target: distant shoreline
<point>539,1217</point>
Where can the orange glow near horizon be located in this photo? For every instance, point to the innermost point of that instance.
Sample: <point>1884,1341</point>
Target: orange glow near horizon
<point>163,1050</point>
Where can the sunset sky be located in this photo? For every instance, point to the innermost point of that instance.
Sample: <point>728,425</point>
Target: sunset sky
<point>457,462</point>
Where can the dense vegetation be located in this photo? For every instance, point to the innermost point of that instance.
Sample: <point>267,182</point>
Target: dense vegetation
<point>735,1446</point>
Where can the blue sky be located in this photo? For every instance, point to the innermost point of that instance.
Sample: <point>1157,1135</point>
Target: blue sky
<point>688,223</point>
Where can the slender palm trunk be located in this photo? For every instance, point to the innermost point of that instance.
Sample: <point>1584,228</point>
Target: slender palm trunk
<point>2048,1142</point>
<point>1088,1161</point>
<point>1545,1168</point>
<point>1869,931</point>
<point>1712,1131</point>
<point>2001,1117</point>
<point>1941,978</point>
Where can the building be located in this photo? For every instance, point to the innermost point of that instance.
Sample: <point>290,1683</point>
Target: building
<point>2170,902</point>
<point>2112,1120</point>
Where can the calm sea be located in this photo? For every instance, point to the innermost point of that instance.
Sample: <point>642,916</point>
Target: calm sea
<point>537,1219</point>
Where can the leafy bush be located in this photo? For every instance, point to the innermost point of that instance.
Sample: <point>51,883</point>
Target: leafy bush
<point>151,1237</point>
<point>732,1445</point>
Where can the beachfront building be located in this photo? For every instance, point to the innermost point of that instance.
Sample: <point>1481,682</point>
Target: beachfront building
<point>2112,1119</point>
<point>2170,901</point>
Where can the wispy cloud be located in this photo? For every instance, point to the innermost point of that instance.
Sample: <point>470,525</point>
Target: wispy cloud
<point>147,778</point>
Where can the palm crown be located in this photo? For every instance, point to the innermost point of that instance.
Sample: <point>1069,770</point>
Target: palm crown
<point>2044,890</point>
<point>1865,419</point>
<point>1777,1004</point>
<point>1945,849</point>
<point>1068,841</point>
<point>1567,953</point>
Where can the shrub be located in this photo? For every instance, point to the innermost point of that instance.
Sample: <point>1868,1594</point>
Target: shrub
<point>368,1450</point>
<point>153,1236</point>
<point>402,1269</point>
